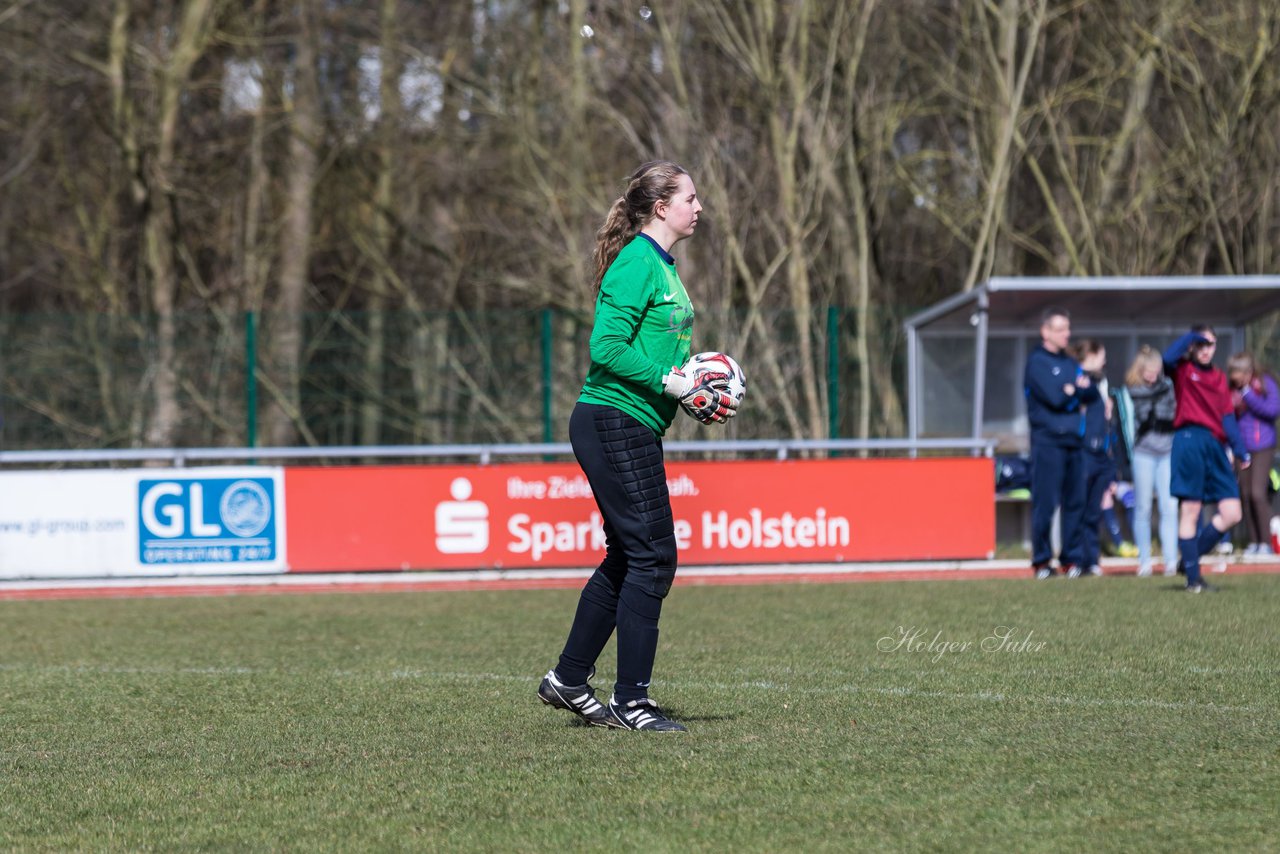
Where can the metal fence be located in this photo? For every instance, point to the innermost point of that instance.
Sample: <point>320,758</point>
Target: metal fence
<point>86,381</point>
<point>780,449</point>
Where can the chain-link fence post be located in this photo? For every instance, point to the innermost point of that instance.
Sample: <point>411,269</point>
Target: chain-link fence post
<point>547,318</point>
<point>251,379</point>
<point>833,372</point>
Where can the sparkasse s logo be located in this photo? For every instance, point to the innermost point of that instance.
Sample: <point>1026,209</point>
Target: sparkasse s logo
<point>462,525</point>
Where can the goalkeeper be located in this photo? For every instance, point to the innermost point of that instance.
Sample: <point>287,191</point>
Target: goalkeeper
<point>642,333</point>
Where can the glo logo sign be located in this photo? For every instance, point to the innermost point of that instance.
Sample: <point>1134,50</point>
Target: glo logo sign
<point>206,520</point>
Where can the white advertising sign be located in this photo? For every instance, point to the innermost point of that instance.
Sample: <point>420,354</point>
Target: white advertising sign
<point>142,522</point>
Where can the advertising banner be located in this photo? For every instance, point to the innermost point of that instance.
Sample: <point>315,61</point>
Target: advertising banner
<point>141,522</point>
<point>532,515</point>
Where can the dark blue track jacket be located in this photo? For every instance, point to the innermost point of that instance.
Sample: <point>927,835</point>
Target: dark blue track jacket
<point>1054,415</point>
<point>1097,430</point>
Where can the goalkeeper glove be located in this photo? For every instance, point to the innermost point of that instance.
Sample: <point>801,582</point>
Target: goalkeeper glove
<point>699,396</point>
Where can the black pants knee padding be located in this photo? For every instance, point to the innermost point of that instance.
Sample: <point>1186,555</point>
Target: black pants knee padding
<point>604,587</point>
<point>664,572</point>
<point>660,580</point>
<point>640,601</point>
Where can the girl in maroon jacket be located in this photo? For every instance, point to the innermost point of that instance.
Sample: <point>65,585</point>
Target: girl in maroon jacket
<point>1204,424</point>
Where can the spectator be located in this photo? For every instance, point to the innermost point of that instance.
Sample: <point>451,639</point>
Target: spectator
<point>1099,464</point>
<point>1056,389</point>
<point>1118,499</point>
<point>1204,420</point>
<point>1148,401</point>
<point>1257,403</point>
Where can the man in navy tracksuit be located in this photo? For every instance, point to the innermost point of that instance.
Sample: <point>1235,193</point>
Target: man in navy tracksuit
<point>1056,389</point>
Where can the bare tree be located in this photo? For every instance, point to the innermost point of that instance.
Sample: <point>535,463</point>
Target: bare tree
<point>862,158</point>
<point>283,418</point>
<point>389,69</point>
<point>189,41</point>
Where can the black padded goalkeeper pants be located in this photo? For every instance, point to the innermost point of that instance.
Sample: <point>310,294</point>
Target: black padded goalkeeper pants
<point>622,460</point>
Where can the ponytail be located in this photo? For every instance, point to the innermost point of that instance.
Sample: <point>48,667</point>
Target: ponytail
<point>653,182</point>
<point>617,231</point>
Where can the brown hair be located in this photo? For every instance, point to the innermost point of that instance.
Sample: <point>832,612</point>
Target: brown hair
<point>1245,363</point>
<point>1053,311</point>
<point>1078,350</point>
<point>1147,355</point>
<point>655,181</point>
<point>1242,362</point>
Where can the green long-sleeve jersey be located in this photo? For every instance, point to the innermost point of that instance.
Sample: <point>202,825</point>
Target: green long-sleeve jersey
<point>643,328</point>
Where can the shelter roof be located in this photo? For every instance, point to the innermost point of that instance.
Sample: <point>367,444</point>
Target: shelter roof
<point>1149,301</point>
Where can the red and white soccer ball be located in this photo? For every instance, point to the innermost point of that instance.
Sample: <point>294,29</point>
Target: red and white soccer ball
<point>722,371</point>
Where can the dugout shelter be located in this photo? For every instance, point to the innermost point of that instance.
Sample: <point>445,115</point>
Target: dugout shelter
<point>966,354</point>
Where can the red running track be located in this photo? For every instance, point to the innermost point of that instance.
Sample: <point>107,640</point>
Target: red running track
<point>138,588</point>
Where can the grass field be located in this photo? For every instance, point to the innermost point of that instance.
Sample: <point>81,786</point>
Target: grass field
<point>1120,714</point>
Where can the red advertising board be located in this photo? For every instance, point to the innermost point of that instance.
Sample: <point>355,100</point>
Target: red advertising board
<point>543,515</point>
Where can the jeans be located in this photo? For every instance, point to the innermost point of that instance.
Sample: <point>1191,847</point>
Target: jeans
<point>1151,477</point>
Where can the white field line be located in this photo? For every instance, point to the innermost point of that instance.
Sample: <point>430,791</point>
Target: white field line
<point>765,685</point>
<point>288,580</point>
<point>451,576</point>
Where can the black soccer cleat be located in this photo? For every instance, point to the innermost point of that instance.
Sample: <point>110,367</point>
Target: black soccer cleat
<point>1201,587</point>
<point>579,699</point>
<point>642,714</point>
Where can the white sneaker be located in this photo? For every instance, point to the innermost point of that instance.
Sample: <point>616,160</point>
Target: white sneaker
<point>1144,570</point>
